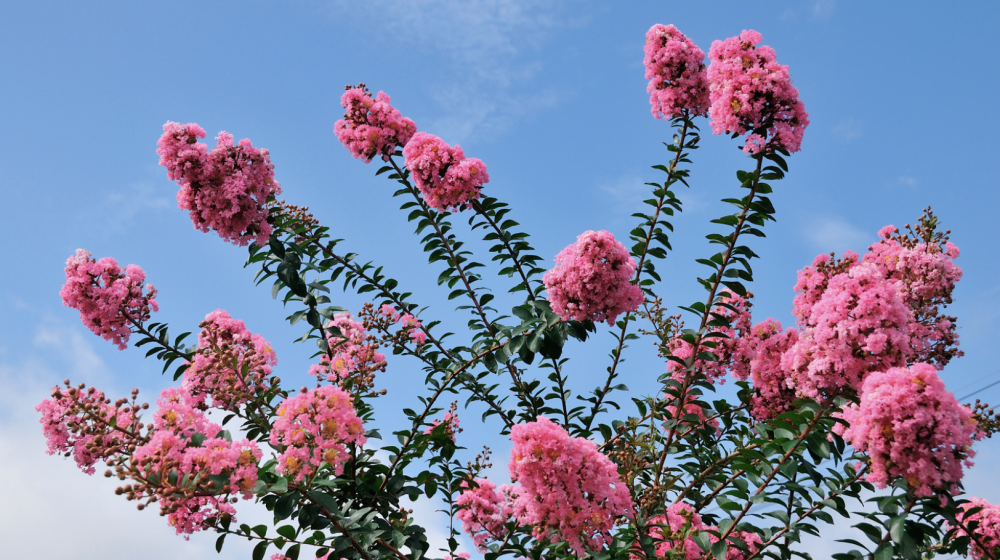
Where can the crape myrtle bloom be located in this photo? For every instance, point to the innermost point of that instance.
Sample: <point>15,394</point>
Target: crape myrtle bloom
<point>675,68</point>
<point>758,358</point>
<point>231,364</point>
<point>987,527</point>
<point>371,127</point>
<point>592,279</point>
<point>354,352</point>
<point>447,179</point>
<point>751,92</point>
<point>674,532</point>
<point>225,189</point>
<point>911,427</point>
<point>569,490</point>
<point>484,511</point>
<point>109,300</point>
<point>313,428</point>
<point>736,311</point>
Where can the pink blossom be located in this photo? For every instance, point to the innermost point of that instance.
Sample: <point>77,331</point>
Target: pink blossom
<point>987,530</point>
<point>313,428</point>
<point>484,512</point>
<point>225,189</point>
<point>675,68</point>
<point>569,490</point>
<point>736,310</point>
<point>759,359</point>
<point>858,325</point>
<point>371,127</point>
<point>751,92</point>
<point>592,279</point>
<point>408,323</point>
<point>109,300</point>
<point>449,425</point>
<point>911,427</point>
<point>675,531</point>
<point>355,352</point>
<point>447,179</point>
<point>231,364</point>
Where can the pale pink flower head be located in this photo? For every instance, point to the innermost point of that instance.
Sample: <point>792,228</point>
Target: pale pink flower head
<point>675,68</point>
<point>313,428</point>
<point>231,364</point>
<point>355,352</point>
<point>736,310</point>
<point>569,490</point>
<point>751,92</point>
<point>987,530</point>
<point>758,354</point>
<point>180,152</point>
<point>483,512</point>
<point>592,279</point>
<point>674,532</point>
<point>109,300</point>
<point>371,127</point>
<point>447,179</point>
<point>911,427</point>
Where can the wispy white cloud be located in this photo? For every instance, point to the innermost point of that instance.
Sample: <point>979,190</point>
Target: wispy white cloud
<point>131,202</point>
<point>834,234</point>
<point>907,181</point>
<point>486,43</point>
<point>848,129</point>
<point>823,9</point>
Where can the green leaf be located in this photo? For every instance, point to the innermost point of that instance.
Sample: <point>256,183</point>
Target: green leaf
<point>259,550</point>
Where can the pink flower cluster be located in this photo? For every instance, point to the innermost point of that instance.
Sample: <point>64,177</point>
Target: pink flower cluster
<point>674,532</point>
<point>447,179</point>
<point>987,530</point>
<point>592,279</point>
<point>759,359</point>
<point>858,325</point>
<point>355,352</point>
<point>231,364</point>
<point>109,300</point>
<point>485,510</point>
<point>313,428</point>
<point>569,490</point>
<point>911,427</point>
<point>751,92</point>
<point>371,127</point>
<point>224,189</point>
<point>449,425</point>
<point>408,324</point>
<point>78,421</point>
<point>675,68</point>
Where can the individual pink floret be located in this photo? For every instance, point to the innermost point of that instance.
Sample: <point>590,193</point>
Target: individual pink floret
<point>569,491</point>
<point>592,279</point>
<point>371,127</point>
<point>109,300</point>
<point>911,427</point>
<point>224,189</point>
<point>231,364</point>
<point>751,92</point>
<point>987,531</point>
<point>675,68</point>
<point>447,179</point>
<point>313,428</point>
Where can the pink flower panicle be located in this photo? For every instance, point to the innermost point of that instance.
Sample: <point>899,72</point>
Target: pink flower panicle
<point>313,428</point>
<point>675,531</point>
<point>484,512</point>
<point>859,325</point>
<point>911,427</point>
<point>108,299</point>
<point>447,179</point>
<point>231,364</point>
<point>225,189</point>
<point>592,279</point>
<point>751,92</point>
<point>408,324</point>
<point>448,426</point>
<point>675,68</point>
<point>569,490</point>
<point>736,310</point>
<point>987,528</point>
<point>759,353</point>
<point>371,127</point>
<point>355,352</point>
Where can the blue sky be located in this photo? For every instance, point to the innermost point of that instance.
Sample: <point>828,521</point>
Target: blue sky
<point>550,95</point>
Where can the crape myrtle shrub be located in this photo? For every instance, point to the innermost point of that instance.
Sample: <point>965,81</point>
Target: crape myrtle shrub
<point>844,407</point>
